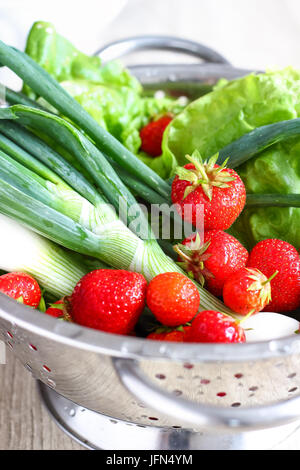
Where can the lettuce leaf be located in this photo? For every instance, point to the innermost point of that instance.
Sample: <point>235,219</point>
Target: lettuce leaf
<point>276,170</point>
<point>64,62</point>
<point>224,115</point>
<point>231,110</point>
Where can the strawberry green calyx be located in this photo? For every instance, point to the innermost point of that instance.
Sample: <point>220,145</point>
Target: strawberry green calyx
<point>193,257</point>
<point>168,329</point>
<point>206,173</point>
<point>60,309</point>
<point>42,305</point>
<point>261,284</point>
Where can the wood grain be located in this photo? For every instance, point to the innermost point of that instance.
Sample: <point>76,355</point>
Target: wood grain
<point>24,422</point>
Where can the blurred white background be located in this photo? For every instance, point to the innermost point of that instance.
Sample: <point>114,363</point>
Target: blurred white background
<point>250,33</point>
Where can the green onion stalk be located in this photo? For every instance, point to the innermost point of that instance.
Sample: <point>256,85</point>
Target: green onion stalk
<point>22,250</point>
<point>274,200</point>
<point>17,141</point>
<point>50,90</point>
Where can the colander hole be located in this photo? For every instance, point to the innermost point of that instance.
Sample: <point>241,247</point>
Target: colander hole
<point>10,344</point>
<point>235,405</point>
<point>52,384</point>
<point>177,392</point>
<point>253,389</point>
<point>46,368</point>
<point>9,334</point>
<point>238,376</point>
<point>204,381</point>
<point>221,394</point>
<point>160,376</point>
<point>176,427</point>
<point>32,347</point>
<point>292,390</point>
<point>292,376</point>
<point>187,365</point>
<point>152,418</point>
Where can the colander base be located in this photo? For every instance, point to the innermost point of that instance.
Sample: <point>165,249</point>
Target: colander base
<point>100,432</point>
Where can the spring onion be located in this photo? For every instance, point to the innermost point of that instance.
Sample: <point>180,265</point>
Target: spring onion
<point>21,144</point>
<point>56,195</point>
<point>35,154</point>
<point>25,251</point>
<point>258,140</point>
<point>49,89</point>
<point>275,200</point>
<point>88,155</point>
<point>57,163</point>
<point>16,97</point>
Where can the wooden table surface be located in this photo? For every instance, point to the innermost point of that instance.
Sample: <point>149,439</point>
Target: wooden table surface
<point>24,422</point>
<point>270,38</point>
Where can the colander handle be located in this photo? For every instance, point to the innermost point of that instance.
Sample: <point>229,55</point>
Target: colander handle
<point>122,47</point>
<point>196,414</point>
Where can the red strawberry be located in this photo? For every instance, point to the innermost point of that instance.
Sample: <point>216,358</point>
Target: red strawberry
<point>248,290</point>
<point>207,189</point>
<point>21,287</point>
<point>177,335</point>
<point>276,255</point>
<point>173,298</point>
<point>109,300</point>
<point>215,327</point>
<point>60,309</point>
<point>152,135</point>
<point>214,260</point>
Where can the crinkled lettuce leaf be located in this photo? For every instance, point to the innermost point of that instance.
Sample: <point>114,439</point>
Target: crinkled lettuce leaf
<point>63,61</point>
<point>276,170</point>
<point>231,110</point>
<point>108,92</point>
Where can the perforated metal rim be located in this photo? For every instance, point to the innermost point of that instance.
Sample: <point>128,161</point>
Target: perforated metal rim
<point>138,348</point>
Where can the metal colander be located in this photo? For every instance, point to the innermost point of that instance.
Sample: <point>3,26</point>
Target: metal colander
<point>180,390</point>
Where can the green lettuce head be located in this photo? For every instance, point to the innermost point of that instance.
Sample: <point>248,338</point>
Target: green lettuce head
<point>231,110</point>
